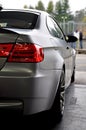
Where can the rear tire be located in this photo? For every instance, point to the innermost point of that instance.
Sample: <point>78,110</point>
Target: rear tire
<point>58,106</point>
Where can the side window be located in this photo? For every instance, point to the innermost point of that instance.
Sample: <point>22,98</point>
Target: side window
<point>54,28</point>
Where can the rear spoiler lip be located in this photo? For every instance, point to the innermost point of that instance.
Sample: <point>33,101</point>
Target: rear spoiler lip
<point>7,30</point>
<point>5,33</point>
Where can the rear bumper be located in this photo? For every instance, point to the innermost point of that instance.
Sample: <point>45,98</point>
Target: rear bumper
<point>10,104</point>
<point>30,94</point>
<point>11,107</point>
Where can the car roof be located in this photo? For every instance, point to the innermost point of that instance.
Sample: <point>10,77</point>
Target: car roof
<point>27,10</point>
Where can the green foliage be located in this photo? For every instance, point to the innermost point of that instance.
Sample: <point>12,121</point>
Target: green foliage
<point>66,6</point>
<point>40,6</point>
<point>84,19</point>
<point>50,7</point>
<point>31,7</point>
<point>62,10</point>
<point>25,7</point>
<point>80,16</point>
<point>58,11</point>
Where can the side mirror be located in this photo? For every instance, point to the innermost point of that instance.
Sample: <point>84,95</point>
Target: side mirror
<point>70,38</point>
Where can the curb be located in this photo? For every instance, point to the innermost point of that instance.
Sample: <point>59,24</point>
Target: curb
<point>81,51</point>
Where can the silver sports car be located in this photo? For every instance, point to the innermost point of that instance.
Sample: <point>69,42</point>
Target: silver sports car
<point>37,62</point>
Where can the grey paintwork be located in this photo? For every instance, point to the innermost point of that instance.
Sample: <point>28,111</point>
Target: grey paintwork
<point>35,84</point>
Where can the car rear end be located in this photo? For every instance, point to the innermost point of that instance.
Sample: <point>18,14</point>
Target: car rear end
<point>24,86</point>
<point>17,64</point>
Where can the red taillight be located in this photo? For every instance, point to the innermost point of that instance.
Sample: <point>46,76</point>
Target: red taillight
<point>5,49</point>
<point>26,53</point>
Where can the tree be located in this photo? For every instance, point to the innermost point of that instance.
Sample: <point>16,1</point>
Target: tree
<point>40,6</point>
<point>66,9</point>
<point>58,11</point>
<point>62,10</point>
<point>50,7</point>
<point>79,15</point>
<point>66,6</point>
<point>31,7</point>
<point>84,19</point>
<point>25,7</point>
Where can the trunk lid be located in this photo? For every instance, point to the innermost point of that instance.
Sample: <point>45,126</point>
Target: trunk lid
<point>7,39</point>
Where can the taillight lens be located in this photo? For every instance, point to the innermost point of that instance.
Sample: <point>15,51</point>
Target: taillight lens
<point>26,53</point>
<point>5,49</point>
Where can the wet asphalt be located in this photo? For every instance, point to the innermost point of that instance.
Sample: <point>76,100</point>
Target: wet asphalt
<point>75,109</point>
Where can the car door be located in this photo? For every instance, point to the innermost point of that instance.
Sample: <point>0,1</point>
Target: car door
<point>61,45</point>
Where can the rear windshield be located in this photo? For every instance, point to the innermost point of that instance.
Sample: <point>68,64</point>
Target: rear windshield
<point>21,20</point>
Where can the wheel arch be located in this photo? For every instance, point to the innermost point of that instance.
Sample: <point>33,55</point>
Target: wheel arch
<point>56,107</point>
<point>57,88</point>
